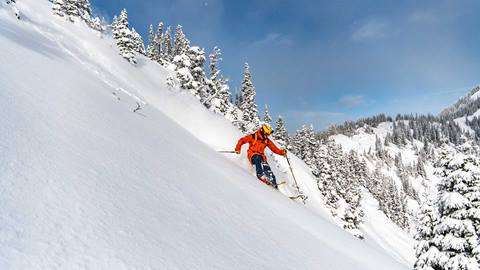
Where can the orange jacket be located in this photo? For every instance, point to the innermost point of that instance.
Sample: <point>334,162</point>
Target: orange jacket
<point>257,144</point>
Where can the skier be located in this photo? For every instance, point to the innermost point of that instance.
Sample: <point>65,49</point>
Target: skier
<point>257,143</point>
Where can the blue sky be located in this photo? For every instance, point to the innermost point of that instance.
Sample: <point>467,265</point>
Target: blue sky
<point>324,62</point>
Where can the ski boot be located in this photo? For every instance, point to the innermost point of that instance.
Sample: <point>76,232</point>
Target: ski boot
<point>267,171</point>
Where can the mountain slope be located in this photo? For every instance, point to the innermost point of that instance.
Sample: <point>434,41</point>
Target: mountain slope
<point>466,112</point>
<point>88,184</point>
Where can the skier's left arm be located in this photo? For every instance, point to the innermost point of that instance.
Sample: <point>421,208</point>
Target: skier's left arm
<point>275,149</point>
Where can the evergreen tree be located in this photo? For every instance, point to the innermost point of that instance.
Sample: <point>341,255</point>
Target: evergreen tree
<point>66,8</point>
<point>85,10</point>
<point>455,235</point>
<point>424,246</point>
<point>305,145</point>
<point>358,167</point>
<point>98,24</point>
<point>266,117</point>
<point>353,214</point>
<point>421,167</point>
<point>167,45</point>
<point>333,183</point>
<point>219,91</point>
<point>181,43</point>
<point>58,8</point>
<point>71,9</point>
<point>114,24</point>
<point>248,106</point>
<point>379,147</point>
<point>197,60</point>
<point>190,71</point>
<point>326,175</point>
<point>299,144</point>
<point>280,135</point>
<point>375,181</point>
<point>151,43</point>
<point>138,44</point>
<point>124,37</point>
<point>159,53</point>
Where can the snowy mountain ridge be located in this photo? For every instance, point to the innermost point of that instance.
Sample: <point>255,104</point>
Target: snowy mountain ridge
<point>466,112</point>
<point>465,106</point>
<point>87,183</point>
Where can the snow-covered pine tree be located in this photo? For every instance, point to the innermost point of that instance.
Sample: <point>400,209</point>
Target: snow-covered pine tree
<point>151,42</point>
<point>455,235</point>
<point>379,147</point>
<point>353,214</point>
<point>420,168</point>
<point>312,145</point>
<point>197,61</point>
<point>65,8</point>
<point>181,44</point>
<point>425,249</point>
<point>58,8</point>
<point>248,105</point>
<point>98,24</point>
<point>182,66</point>
<point>280,135</point>
<point>124,37</point>
<point>266,116</point>
<point>375,180</point>
<point>71,9</point>
<point>113,26</point>
<point>155,43</point>
<point>219,91</point>
<point>215,58</point>
<point>138,44</point>
<point>159,54</point>
<point>332,185</point>
<point>358,167</point>
<point>325,173</point>
<point>298,143</point>
<point>167,45</point>
<point>332,178</point>
<point>190,73</point>
<point>84,10</point>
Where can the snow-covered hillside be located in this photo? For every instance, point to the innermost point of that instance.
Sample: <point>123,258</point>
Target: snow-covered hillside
<point>86,183</point>
<point>466,112</point>
<point>395,162</point>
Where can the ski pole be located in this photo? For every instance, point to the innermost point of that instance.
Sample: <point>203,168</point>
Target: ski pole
<point>293,175</point>
<point>294,179</point>
<point>226,151</point>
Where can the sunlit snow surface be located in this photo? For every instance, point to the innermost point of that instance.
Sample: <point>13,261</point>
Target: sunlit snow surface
<point>85,183</point>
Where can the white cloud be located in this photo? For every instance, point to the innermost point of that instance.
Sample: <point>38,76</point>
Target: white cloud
<point>273,39</point>
<point>351,101</point>
<point>370,30</point>
<point>422,16</point>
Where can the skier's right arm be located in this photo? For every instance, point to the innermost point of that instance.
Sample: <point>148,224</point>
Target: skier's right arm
<point>241,142</point>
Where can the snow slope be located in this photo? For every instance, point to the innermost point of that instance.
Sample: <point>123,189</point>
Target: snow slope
<point>85,183</point>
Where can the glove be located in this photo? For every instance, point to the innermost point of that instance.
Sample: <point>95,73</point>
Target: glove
<point>237,152</point>
<point>285,152</point>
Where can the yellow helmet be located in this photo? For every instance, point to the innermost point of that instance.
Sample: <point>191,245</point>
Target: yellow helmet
<point>266,129</point>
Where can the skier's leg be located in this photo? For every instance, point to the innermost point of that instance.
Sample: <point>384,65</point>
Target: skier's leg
<point>268,171</point>
<point>257,161</point>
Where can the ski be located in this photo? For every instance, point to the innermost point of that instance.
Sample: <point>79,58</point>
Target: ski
<point>298,196</point>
